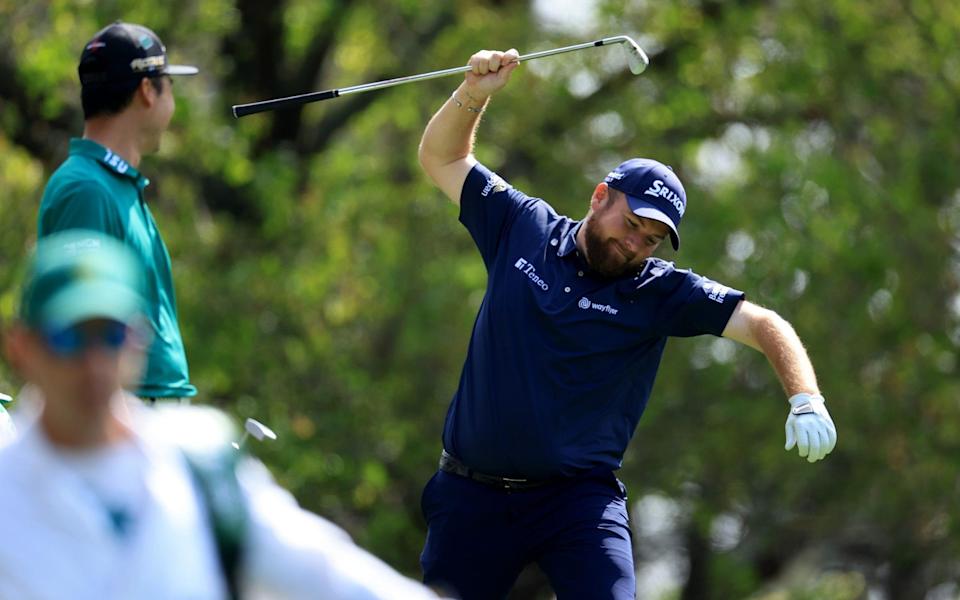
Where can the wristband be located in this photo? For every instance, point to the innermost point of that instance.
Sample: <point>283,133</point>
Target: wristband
<point>459,104</point>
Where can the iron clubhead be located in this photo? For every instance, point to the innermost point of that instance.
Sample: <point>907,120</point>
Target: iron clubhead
<point>259,430</point>
<point>636,58</point>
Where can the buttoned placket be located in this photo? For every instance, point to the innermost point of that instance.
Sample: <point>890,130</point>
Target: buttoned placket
<point>555,242</point>
<point>581,271</point>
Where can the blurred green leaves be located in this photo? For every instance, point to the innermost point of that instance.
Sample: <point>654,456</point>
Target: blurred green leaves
<point>327,289</point>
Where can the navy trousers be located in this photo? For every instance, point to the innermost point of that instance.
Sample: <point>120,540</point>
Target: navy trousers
<point>480,537</point>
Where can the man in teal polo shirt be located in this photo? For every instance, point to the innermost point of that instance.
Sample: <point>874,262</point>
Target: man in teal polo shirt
<point>127,104</point>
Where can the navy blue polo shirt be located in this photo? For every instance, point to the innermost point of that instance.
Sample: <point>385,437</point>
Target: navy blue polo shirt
<point>561,362</point>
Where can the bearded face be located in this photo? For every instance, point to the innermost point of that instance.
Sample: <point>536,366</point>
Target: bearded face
<point>618,241</point>
<point>604,254</point>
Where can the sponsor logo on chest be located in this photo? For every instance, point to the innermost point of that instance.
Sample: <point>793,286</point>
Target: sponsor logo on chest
<point>587,304</point>
<point>524,266</point>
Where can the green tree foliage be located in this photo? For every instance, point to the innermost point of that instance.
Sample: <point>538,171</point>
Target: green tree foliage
<point>327,289</point>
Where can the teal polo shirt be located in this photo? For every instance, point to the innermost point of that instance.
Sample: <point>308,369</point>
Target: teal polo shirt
<point>96,189</point>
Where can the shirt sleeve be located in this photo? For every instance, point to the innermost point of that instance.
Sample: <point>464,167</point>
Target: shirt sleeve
<point>488,205</point>
<point>295,554</point>
<point>81,205</point>
<point>695,305</point>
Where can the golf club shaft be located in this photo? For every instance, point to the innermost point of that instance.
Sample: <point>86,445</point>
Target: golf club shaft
<point>241,110</point>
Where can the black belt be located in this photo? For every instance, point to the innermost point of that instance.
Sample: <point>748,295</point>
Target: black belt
<point>450,464</point>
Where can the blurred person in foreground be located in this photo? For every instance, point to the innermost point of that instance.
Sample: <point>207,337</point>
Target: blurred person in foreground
<point>104,498</point>
<point>126,91</point>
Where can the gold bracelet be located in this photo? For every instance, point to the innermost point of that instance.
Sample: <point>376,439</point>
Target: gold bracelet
<point>459,104</point>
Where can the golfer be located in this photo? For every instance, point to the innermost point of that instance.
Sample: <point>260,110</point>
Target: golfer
<point>562,361</point>
<point>127,96</point>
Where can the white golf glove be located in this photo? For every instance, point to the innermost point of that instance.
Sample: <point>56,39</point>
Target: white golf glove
<point>809,427</point>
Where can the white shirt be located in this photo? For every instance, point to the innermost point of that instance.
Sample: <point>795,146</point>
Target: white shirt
<point>126,522</point>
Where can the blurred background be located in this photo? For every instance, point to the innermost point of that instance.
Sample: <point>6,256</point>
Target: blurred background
<point>328,290</point>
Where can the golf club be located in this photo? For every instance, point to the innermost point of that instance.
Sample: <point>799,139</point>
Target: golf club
<point>255,428</point>
<point>636,59</point>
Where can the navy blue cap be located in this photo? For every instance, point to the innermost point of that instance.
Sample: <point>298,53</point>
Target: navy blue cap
<point>653,191</point>
<point>122,53</point>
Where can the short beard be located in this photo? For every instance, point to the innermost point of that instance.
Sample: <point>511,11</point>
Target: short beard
<point>603,257</point>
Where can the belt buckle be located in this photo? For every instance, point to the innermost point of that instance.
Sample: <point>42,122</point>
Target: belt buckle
<point>511,483</point>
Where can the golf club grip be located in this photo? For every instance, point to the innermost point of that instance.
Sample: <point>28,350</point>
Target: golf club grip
<point>242,110</point>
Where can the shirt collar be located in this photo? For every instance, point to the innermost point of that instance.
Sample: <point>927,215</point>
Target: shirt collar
<point>568,243</point>
<point>568,246</point>
<point>108,159</point>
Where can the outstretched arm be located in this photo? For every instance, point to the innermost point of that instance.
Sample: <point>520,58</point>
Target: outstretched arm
<point>809,425</point>
<point>766,331</point>
<point>446,149</point>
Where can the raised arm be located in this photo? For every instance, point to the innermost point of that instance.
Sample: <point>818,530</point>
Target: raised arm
<point>446,149</point>
<point>809,424</point>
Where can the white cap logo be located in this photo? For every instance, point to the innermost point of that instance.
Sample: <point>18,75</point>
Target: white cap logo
<point>659,190</point>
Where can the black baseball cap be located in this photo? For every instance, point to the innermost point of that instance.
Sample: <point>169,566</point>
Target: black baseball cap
<point>125,53</point>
